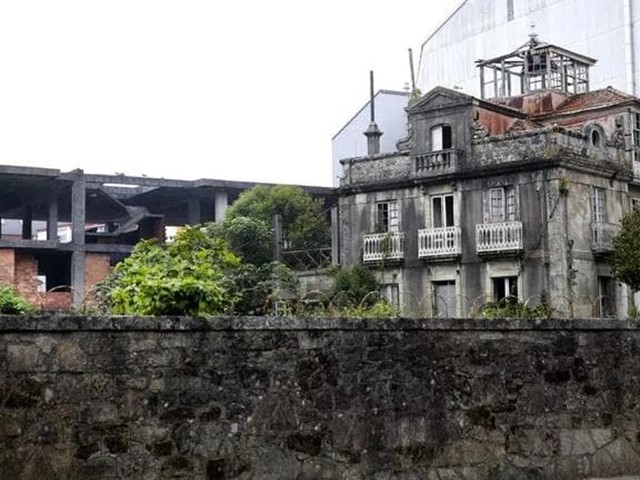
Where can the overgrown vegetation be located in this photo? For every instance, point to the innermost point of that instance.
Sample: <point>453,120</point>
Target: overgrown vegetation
<point>353,286</point>
<point>511,307</point>
<point>228,267</point>
<point>190,276</point>
<point>626,252</point>
<point>11,303</point>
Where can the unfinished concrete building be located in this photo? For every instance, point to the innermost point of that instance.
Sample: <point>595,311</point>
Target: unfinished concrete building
<point>517,193</point>
<point>90,222</point>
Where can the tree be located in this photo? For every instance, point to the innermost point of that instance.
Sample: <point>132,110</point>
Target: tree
<point>304,224</point>
<point>191,276</point>
<point>249,238</point>
<point>626,251</point>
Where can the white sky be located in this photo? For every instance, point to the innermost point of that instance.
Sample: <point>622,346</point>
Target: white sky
<point>240,90</point>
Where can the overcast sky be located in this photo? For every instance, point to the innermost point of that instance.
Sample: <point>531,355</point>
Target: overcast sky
<point>240,90</point>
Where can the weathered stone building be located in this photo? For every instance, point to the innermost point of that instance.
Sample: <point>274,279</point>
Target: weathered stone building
<point>517,193</point>
<point>102,218</point>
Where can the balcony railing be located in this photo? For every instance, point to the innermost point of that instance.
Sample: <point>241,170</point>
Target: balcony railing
<point>602,235</point>
<point>499,237</point>
<point>441,161</point>
<point>383,246</point>
<point>439,242</point>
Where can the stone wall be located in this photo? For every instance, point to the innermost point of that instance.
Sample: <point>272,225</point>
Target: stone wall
<point>318,398</point>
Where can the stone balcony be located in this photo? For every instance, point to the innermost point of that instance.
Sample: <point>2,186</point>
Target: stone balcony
<point>437,163</point>
<point>434,243</point>
<point>602,235</point>
<point>380,247</point>
<point>505,237</point>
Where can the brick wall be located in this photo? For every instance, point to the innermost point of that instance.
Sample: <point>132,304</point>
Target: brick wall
<point>273,398</point>
<point>96,269</point>
<point>55,301</point>
<point>7,266</point>
<point>26,281</point>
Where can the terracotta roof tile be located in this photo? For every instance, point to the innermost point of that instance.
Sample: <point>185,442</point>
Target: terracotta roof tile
<point>522,125</point>
<point>597,98</point>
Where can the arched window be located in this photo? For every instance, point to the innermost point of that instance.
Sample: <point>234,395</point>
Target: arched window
<point>441,137</point>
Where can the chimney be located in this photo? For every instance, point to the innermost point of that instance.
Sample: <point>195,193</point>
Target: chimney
<point>373,133</point>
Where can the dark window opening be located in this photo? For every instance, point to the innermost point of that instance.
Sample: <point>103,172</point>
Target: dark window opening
<point>595,138</point>
<point>441,138</point>
<point>446,137</point>
<point>606,297</point>
<point>505,288</point>
<point>55,269</point>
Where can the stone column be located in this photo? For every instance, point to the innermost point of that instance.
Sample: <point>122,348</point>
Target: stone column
<point>78,215</point>
<point>220,207</point>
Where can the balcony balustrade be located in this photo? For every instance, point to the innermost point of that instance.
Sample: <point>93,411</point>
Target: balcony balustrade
<point>499,237</point>
<point>383,246</point>
<point>438,162</point>
<point>602,235</point>
<point>439,242</point>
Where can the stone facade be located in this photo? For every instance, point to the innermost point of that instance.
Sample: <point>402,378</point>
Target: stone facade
<point>508,197</point>
<point>318,398</point>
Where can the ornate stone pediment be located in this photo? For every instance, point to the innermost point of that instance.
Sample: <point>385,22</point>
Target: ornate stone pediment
<point>440,97</point>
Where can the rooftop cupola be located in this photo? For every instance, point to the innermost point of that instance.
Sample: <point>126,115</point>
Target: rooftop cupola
<point>533,67</point>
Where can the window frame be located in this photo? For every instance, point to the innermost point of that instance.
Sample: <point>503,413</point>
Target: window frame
<point>387,216</point>
<point>439,139</point>
<point>598,205</point>
<point>502,204</point>
<point>446,215</point>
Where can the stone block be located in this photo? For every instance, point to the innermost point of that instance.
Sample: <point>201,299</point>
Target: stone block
<point>585,441</point>
<point>25,358</point>
<point>616,458</point>
<point>12,423</point>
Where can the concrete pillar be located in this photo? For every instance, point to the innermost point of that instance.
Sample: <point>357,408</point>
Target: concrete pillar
<point>220,207</point>
<point>78,215</point>
<point>277,237</point>
<point>194,213</point>
<point>335,236</point>
<point>27,218</point>
<point>1,221</point>
<point>52,219</point>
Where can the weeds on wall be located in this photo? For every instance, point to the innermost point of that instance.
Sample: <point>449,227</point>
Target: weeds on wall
<point>11,303</point>
<point>511,307</point>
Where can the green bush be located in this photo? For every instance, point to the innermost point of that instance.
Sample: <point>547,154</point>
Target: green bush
<point>510,307</point>
<point>187,277</point>
<point>353,285</point>
<point>12,303</point>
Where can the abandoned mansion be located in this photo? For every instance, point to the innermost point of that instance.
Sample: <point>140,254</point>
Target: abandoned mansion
<point>518,193</point>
